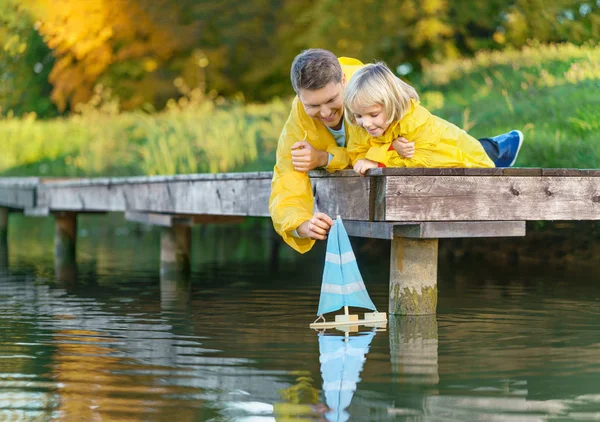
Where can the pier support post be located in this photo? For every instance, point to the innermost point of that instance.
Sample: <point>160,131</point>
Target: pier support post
<point>413,276</point>
<point>3,239</point>
<point>3,222</point>
<point>175,245</point>
<point>65,242</point>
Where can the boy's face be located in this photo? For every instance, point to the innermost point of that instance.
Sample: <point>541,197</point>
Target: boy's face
<point>325,104</point>
<point>372,118</point>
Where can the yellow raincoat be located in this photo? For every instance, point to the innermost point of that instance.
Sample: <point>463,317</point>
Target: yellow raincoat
<point>292,201</point>
<point>438,143</point>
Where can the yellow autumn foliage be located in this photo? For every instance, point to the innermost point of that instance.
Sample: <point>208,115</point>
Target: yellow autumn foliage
<point>89,36</point>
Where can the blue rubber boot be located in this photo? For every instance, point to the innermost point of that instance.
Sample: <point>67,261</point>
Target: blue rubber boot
<point>509,145</point>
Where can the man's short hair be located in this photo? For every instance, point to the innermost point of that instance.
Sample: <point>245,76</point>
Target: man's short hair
<point>315,68</point>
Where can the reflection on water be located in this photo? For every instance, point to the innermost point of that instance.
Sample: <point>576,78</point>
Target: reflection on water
<point>342,358</point>
<point>232,343</point>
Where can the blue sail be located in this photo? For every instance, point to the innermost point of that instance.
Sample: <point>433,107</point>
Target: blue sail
<point>342,283</point>
<point>342,360</point>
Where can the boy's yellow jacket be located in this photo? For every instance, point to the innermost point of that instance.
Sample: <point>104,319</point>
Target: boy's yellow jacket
<point>292,201</point>
<point>438,143</point>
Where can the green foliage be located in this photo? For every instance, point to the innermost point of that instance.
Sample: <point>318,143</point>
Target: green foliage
<point>243,50</point>
<point>191,136</point>
<point>25,62</point>
<point>548,92</point>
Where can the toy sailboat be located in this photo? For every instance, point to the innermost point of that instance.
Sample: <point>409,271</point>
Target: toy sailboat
<point>343,285</point>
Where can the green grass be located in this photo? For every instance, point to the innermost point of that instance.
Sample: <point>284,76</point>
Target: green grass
<point>549,92</point>
<point>197,138</point>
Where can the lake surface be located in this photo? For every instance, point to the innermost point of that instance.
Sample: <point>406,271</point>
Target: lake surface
<point>118,343</point>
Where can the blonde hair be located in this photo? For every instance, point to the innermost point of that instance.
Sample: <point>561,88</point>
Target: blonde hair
<point>315,68</point>
<point>375,84</point>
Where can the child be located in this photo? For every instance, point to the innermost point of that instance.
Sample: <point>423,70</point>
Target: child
<point>382,108</point>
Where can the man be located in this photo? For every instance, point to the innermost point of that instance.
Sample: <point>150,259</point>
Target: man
<point>314,136</point>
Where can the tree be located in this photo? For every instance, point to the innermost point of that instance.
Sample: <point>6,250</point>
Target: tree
<point>91,39</point>
<point>25,62</point>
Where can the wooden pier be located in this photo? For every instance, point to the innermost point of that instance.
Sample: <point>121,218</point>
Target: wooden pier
<point>412,208</point>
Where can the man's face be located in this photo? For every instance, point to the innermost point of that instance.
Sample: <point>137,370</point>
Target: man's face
<point>325,104</point>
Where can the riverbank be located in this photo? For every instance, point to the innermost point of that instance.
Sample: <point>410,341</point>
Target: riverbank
<point>549,92</point>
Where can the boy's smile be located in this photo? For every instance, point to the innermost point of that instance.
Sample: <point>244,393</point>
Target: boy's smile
<point>325,104</point>
<point>372,118</point>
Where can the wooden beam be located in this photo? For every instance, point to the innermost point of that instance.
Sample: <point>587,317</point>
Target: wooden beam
<point>18,193</point>
<point>489,198</point>
<point>348,196</point>
<point>154,219</point>
<point>3,239</point>
<point>175,245</point>
<point>167,220</point>
<point>460,229</point>
<point>238,195</point>
<point>65,245</point>
<point>435,229</point>
<point>413,276</point>
<point>3,222</point>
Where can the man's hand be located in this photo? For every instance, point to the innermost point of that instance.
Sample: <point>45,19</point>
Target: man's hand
<point>404,147</point>
<point>317,227</point>
<point>305,157</point>
<point>363,165</point>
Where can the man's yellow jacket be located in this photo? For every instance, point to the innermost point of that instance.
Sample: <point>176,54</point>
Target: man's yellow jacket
<point>292,201</point>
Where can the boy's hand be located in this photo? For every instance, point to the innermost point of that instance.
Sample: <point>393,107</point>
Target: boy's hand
<point>305,157</point>
<point>317,227</point>
<point>404,147</point>
<point>363,165</point>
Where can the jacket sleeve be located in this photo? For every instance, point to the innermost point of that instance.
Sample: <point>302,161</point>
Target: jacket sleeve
<point>340,158</point>
<point>389,157</point>
<point>379,153</point>
<point>291,201</point>
<point>358,144</point>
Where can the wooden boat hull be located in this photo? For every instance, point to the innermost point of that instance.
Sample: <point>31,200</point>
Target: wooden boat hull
<point>374,319</point>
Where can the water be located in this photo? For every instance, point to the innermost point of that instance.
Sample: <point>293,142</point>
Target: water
<point>233,343</point>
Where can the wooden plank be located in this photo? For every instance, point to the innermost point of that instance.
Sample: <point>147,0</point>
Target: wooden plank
<point>435,172</point>
<point>18,197</point>
<point>168,220</point>
<point>214,219</point>
<point>461,229</point>
<point>435,230</point>
<point>444,172</point>
<point>500,198</point>
<point>377,198</point>
<point>234,196</point>
<point>37,212</point>
<point>374,230</point>
<point>347,197</point>
<point>162,220</point>
<point>391,171</point>
<point>107,181</point>
<point>562,172</point>
<point>522,171</point>
<point>314,174</point>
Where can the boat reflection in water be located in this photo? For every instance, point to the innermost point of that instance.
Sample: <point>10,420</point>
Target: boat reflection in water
<point>342,358</point>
